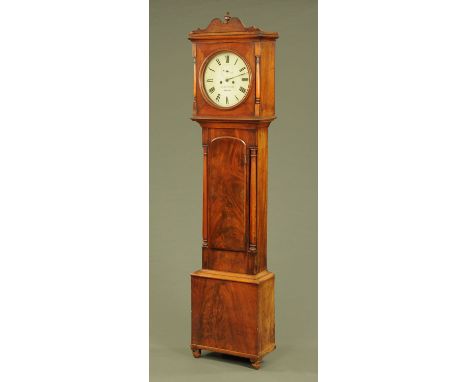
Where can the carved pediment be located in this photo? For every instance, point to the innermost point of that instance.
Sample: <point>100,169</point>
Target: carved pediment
<point>230,26</point>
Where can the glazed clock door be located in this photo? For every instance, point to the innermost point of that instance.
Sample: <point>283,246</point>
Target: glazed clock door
<point>227,194</point>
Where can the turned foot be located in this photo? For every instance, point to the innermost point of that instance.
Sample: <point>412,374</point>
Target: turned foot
<point>196,353</point>
<point>256,363</point>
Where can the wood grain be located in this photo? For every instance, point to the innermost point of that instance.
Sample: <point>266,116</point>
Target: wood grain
<point>224,314</point>
<point>194,54</point>
<point>205,197</point>
<point>258,49</point>
<point>253,201</point>
<point>266,314</point>
<point>267,79</point>
<point>232,276</point>
<point>229,261</point>
<point>233,313</point>
<point>227,193</point>
<point>262,197</point>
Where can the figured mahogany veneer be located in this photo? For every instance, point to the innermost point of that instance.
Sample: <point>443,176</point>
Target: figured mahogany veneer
<point>227,194</point>
<point>233,293</point>
<point>235,316</point>
<point>235,185</point>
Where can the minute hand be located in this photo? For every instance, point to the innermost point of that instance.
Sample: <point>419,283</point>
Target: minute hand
<point>229,79</point>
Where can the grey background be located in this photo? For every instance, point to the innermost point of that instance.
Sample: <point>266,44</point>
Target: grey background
<point>176,190</point>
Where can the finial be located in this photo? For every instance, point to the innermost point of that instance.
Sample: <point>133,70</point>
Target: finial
<point>227,17</point>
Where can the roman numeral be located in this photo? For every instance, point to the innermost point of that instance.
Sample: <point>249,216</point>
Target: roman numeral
<point>219,62</point>
<point>242,89</point>
<point>227,59</point>
<point>211,69</point>
<point>227,101</point>
<point>212,90</point>
<point>245,79</point>
<point>218,97</point>
<point>240,70</point>
<point>236,97</point>
<point>209,80</point>
<point>236,61</point>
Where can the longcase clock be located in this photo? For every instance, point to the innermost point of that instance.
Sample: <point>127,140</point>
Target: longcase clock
<point>233,308</point>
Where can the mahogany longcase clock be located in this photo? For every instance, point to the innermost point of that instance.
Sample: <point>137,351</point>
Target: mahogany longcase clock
<point>234,102</point>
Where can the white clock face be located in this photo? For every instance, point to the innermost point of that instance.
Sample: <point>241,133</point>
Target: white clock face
<point>226,79</point>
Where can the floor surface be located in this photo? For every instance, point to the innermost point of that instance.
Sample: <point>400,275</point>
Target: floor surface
<point>291,364</point>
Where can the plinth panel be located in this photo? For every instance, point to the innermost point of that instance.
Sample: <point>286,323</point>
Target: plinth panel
<point>233,313</point>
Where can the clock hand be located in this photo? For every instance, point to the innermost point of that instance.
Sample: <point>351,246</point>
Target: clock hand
<point>229,79</point>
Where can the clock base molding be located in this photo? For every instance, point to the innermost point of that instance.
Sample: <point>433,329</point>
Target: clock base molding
<point>233,313</point>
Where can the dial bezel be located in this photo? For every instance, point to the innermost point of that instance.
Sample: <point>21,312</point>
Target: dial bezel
<point>201,78</point>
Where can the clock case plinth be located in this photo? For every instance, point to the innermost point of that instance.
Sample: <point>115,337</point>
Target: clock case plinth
<point>233,293</point>
<point>233,313</point>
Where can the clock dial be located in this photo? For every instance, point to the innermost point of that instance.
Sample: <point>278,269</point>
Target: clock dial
<point>226,79</point>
